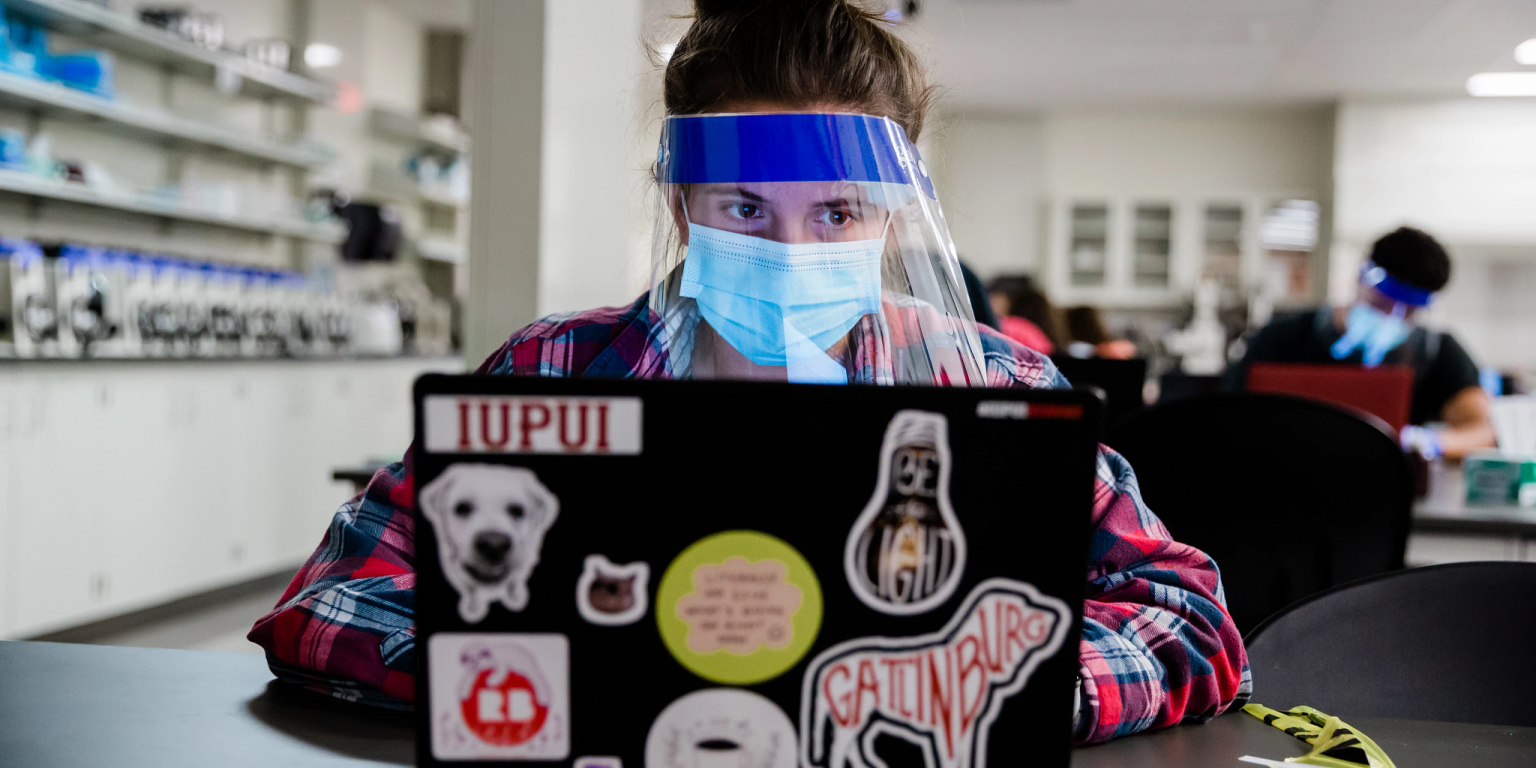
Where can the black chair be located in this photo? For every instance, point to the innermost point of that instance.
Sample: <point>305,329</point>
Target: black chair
<point>1289,496</point>
<point>1121,380</point>
<point>1174,386</point>
<point>1450,643</point>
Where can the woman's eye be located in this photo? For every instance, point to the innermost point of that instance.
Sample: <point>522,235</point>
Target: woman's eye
<point>836,218</point>
<point>745,210</point>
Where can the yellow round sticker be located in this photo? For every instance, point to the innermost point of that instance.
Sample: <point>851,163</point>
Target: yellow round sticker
<point>738,607</point>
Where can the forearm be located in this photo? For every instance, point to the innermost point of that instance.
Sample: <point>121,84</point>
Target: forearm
<point>1458,442</point>
<point>1468,423</point>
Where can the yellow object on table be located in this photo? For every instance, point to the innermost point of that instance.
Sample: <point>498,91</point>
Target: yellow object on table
<point>1334,743</point>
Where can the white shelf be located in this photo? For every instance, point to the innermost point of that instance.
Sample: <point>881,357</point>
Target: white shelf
<point>389,184</point>
<point>54,189</point>
<point>438,249</point>
<point>413,128</point>
<point>152,123</point>
<point>121,32</point>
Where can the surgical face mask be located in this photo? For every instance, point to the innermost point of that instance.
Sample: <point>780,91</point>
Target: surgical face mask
<point>1372,331</point>
<point>782,303</point>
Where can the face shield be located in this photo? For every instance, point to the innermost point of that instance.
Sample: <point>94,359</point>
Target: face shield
<point>1381,318</point>
<point>806,248</point>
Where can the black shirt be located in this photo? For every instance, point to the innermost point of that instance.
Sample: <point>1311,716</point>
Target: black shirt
<point>1441,368</point>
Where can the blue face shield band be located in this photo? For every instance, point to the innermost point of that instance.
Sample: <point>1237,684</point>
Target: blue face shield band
<point>789,147</point>
<point>782,303</point>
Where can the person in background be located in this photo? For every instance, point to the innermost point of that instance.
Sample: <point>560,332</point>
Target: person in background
<point>1024,314</point>
<point>805,271</point>
<point>1089,339</point>
<point>981,302</point>
<point>1406,268</point>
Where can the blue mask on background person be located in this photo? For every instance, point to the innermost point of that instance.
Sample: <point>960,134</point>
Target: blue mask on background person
<point>1372,331</point>
<point>781,303</point>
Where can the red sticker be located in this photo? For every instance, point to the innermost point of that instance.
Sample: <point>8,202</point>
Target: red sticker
<point>506,713</point>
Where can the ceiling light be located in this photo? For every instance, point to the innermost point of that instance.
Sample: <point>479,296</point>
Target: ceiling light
<point>664,51</point>
<point>320,55</point>
<point>1525,53</point>
<point>1502,84</point>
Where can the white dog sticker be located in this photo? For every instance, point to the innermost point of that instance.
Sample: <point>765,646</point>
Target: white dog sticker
<point>490,522</point>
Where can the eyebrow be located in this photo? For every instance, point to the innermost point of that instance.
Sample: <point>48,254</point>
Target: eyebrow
<point>744,194</point>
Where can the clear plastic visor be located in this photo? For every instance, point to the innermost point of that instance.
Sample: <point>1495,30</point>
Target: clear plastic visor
<point>806,248</point>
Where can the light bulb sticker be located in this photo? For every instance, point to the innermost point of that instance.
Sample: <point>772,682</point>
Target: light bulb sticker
<point>499,696</point>
<point>721,728</point>
<point>738,607</point>
<point>906,552</point>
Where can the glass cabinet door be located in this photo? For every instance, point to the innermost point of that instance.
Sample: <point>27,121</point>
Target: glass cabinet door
<point>1154,245</point>
<point>1224,243</point>
<point>1088,253</point>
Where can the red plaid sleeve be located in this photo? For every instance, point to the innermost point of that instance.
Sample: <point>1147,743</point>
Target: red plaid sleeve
<point>1158,646</point>
<point>346,624</point>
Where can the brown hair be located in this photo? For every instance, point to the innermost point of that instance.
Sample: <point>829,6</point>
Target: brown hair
<point>1084,324</point>
<point>1027,301</point>
<point>800,53</point>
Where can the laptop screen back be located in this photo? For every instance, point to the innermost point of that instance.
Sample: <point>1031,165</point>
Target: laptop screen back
<point>731,575</point>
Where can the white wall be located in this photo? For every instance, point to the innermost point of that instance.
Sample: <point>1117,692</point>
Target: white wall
<point>1463,168</point>
<point>1465,171</point>
<point>590,178</point>
<point>990,174</point>
<point>558,220</point>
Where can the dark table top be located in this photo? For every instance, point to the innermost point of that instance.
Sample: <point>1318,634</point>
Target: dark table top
<point>89,705</point>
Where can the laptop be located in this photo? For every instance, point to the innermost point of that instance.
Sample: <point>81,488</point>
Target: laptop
<point>658,574</point>
<point>1385,392</point>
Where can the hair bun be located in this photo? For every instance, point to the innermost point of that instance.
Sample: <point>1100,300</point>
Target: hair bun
<point>717,8</point>
<point>707,8</point>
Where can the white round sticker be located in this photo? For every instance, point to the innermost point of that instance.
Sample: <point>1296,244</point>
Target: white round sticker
<point>721,728</point>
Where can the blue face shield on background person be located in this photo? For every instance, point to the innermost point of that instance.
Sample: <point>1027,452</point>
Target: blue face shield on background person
<point>1373,331</point>
<point>812,241</point>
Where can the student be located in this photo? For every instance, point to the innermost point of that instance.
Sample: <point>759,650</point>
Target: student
<point>841,273</point>
<point>1405,269</point>
<point>1089,339</point>
<point>1024,313</point>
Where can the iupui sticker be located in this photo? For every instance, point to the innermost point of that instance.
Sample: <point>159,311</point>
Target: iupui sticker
<point>941,692</point>
<point>483,424</point>
<point>500,696</point>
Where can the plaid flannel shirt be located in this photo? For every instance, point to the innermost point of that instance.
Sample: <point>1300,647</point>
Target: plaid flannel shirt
<point>1157,646</point>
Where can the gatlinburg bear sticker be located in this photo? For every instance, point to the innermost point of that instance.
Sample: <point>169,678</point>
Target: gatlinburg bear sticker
<point>940,692</point>
<point>490,522</point>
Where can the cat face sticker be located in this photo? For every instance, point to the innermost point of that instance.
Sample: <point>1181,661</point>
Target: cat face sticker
<point>612,595</point>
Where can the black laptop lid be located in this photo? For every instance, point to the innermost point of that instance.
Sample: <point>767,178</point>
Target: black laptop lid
<point>736,575</point>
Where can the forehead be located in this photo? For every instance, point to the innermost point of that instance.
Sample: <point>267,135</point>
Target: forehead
<point>810,192</point>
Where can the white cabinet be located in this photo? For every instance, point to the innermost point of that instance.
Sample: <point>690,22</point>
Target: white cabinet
<point>127,484</point>
<point>1148,251</point>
